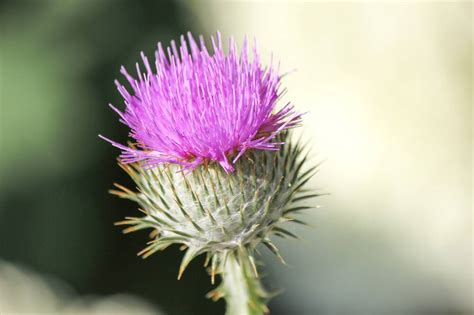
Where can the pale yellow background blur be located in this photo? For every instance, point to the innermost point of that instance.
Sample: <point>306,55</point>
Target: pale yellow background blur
<point>388,90</point>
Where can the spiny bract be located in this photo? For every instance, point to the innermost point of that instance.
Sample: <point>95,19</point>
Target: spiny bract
<point>210,211</point>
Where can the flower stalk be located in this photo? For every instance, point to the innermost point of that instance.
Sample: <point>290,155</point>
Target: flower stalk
<point>241,287</point>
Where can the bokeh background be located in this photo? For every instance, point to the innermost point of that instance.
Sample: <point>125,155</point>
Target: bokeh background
<point>388,91</point>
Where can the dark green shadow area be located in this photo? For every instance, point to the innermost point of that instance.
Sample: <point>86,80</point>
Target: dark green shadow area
<point>58,63</point>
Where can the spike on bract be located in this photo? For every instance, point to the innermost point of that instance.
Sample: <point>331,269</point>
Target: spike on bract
<point>210,211</point>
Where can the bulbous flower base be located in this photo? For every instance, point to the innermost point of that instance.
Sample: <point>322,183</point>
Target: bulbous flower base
<point>224,215</point>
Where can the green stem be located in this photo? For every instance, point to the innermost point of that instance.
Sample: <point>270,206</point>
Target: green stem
<point>241,287</point>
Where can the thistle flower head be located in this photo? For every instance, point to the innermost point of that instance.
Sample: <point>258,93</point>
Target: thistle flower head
<point>214,114</point>
<point>192,106</point>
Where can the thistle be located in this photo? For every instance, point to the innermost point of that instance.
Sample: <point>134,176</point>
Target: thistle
<point>215,169</point>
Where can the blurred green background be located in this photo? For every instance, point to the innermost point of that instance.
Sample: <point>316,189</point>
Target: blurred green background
<point>59,60</point>
<point>388,91</point>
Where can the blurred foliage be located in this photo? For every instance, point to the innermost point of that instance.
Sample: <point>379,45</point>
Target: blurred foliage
<point>58,63</point>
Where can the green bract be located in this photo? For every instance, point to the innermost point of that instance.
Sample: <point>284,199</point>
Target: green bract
<point>224,215</point>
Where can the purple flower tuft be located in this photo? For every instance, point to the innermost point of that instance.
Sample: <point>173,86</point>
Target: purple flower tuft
<point>199,107</point>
